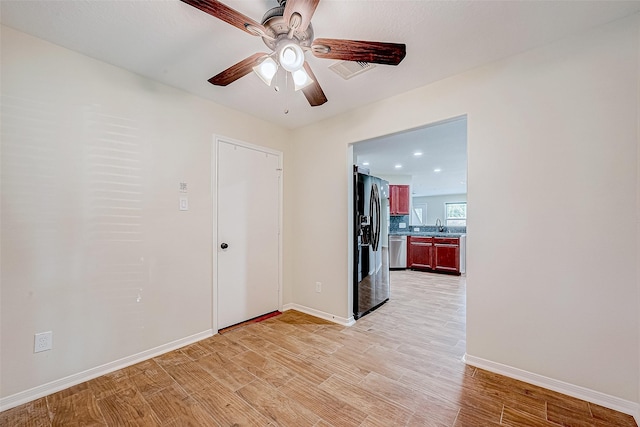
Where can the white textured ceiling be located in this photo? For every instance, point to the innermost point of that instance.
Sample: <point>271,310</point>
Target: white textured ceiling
<point>442,167</point>
<point>176,44</point>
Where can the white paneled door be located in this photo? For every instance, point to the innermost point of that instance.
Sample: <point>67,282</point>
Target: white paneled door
<point>248,205</point>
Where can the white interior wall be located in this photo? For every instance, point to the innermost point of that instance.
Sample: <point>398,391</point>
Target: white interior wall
<point>396,179</point>
<point>638,227</point>
<point>563,150</point>
<point>555,107</point>
<point>552,133</point>
<point>435,205</point>
<point>94,247</point>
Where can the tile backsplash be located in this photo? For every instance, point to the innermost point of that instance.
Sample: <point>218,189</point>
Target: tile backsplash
<point>396,223</point>
<point>396,220</point>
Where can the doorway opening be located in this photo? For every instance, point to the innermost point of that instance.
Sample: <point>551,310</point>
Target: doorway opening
<point>428,165</point>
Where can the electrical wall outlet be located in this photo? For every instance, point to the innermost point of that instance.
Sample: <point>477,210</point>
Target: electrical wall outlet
<point>43,341</point>
<point>318,287</point>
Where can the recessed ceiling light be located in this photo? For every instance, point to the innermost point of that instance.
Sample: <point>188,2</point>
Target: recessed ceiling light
<point>365,163</point>
<point>436,170</point>
<point>418,153</point>
<point>398,166</point>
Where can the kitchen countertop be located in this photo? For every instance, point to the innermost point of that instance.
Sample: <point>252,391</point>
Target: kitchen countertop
<point>425,234</point>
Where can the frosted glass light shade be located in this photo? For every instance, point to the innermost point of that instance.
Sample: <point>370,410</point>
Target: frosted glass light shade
<point>266,70</point>
<point>301,79</point>
<point>291,57</point>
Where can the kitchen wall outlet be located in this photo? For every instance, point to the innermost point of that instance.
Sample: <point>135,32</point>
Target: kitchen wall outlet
<point>318,287</point>
<point>43,341</point>
<point>402,225</point>
<point>416,228</point>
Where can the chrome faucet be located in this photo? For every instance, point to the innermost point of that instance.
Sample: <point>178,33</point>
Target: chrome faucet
<point>439,225</point>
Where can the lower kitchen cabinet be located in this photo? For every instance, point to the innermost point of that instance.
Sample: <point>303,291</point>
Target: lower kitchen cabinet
<point>440,254</point>
<point>446,253</point>
<point>420,252</point>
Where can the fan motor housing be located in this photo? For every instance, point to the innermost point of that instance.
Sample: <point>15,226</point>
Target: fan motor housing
<point>276,28</point>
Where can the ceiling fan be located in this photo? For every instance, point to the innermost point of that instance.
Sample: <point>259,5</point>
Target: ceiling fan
<point>287,31</point>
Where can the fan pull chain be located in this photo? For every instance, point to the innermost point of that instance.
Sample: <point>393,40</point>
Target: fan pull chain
<point>286,93</point>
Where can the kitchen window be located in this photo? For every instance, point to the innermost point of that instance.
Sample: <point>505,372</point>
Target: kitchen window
<point>456,214</point>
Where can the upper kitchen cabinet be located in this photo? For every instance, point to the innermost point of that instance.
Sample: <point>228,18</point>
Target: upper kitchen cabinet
<point>399,199</point>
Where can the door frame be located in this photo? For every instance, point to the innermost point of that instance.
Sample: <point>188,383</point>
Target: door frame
<point>217,139</point>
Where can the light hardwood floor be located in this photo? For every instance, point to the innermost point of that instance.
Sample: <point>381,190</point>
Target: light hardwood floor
<point>398,366</point>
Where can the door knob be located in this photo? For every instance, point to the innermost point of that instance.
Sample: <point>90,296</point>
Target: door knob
<point>224,246</point>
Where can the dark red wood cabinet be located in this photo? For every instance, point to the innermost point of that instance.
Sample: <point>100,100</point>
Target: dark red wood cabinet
<point>399,199</point>
<point>440,254</point>
<point>420,252</point>
<point>446,253</point>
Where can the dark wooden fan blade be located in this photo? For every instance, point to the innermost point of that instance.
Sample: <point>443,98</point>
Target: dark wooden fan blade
<point>356,50</point>
<point>304,8</point>
<point>313,92</point>
<point>238,70</point>
<point>228,15</point>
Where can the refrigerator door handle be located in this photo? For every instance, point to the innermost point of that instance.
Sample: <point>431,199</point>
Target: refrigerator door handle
<point>374,208</point>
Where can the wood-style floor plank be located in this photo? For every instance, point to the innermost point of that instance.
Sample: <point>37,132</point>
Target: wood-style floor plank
<point>515,418</point>
<point>78,409</point>
<point>400,366</point>
<point>470,418</point>
<point>228,408</point>
<point>282,410</point>
<point>150,378</point>
<point>324,404</point>
<point>174,406</point>
<point>264,368</point>
<point>610,416</point>
<point>379,410</point>
<point>32,414</point>
<point>226,371</point>
<point>127,408</point>
<point>301,367</point>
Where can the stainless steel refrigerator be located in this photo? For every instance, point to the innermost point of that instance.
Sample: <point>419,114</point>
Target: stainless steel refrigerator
<point>371,242</point>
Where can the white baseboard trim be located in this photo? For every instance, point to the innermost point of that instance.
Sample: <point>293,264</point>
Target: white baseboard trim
<point>602,399</point>
<point>74,379</point>
<point>321,314</point>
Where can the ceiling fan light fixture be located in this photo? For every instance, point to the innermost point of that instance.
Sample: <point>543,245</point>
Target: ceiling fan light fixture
<point>291,57</point>
<point>287,31</point>
<point>301,79</point>
<point>266,70</point>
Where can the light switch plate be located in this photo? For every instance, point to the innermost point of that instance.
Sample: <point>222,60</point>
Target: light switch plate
<point>184,204</point>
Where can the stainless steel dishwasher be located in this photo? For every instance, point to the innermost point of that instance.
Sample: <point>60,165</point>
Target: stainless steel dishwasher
<point>397,251</point>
